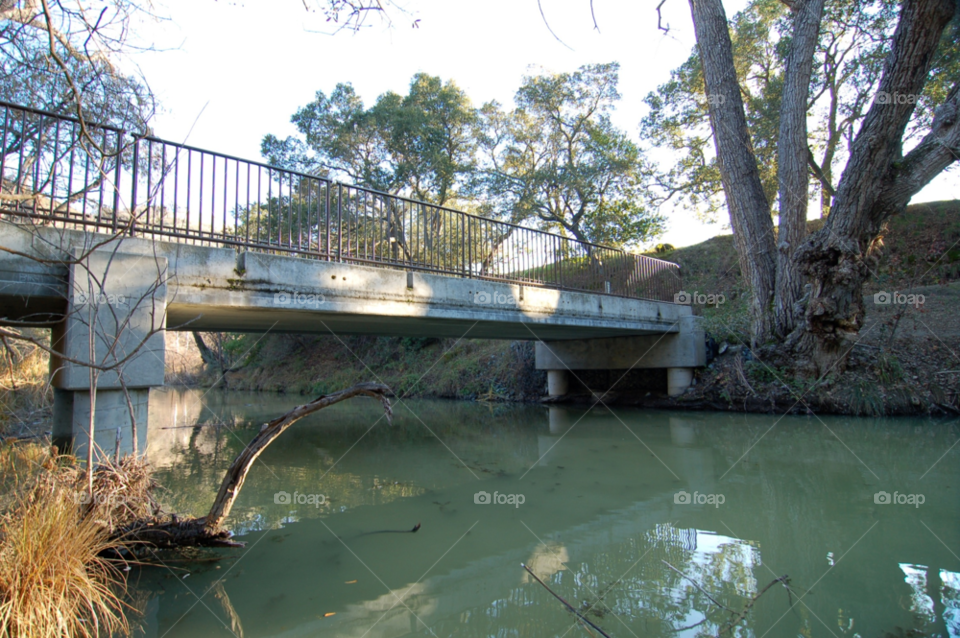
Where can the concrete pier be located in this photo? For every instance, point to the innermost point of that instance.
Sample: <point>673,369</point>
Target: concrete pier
<point>111,339</point>
<point>558,382</point>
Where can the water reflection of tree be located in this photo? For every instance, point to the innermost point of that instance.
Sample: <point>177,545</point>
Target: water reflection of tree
<point>807,488</point>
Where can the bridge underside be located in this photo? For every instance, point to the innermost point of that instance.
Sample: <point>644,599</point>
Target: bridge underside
<point>228,319</point>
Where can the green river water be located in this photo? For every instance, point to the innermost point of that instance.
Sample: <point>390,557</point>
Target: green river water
<point>606,507</point>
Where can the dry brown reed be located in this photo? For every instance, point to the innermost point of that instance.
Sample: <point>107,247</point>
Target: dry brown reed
<point>55,577</point>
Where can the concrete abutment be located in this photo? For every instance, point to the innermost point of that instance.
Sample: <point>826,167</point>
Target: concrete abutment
<point>677,353</point>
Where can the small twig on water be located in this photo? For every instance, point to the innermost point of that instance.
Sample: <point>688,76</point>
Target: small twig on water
<point>702,590</point>
<point>784,580</point>
<point>565,603</point>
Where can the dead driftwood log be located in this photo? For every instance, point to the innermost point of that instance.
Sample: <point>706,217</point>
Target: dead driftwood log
<point>206,531</point>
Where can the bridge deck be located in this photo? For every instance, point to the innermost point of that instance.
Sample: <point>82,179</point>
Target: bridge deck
<point>218,289</point>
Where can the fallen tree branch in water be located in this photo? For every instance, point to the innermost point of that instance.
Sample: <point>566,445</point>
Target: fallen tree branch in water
<point>207,530</point>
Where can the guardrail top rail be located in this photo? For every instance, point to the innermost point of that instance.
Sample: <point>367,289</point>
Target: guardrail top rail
<point>57,171</point>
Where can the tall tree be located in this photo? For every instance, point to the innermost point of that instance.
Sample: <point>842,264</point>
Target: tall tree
<point>793,155</point>
<point>679,119</point>
<point>558,160</point>
<point>877,181</point>
<point>340,138</point>
<point>746,200</point>
<point>430,133</point>
<point>63,57</point>
<point>420,144</point>
<point>848,59</point>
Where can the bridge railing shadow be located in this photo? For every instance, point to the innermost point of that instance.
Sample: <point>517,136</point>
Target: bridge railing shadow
<point>59,171</point>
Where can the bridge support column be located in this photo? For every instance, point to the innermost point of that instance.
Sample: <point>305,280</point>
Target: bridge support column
<point>559,420</point>
<point>111,339</point>
<point>558,382</point>
<point>678,380</point>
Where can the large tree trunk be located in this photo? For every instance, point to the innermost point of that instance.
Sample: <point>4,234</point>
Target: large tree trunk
<point>792,159</point>
<point>877,183</point>
<point>748,205</point>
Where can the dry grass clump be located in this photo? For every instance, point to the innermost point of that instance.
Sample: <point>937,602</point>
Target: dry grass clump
<point>54,577</point>
<point>24,389</point>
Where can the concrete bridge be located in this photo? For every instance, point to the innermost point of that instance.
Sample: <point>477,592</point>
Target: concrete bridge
<point>184,239</point>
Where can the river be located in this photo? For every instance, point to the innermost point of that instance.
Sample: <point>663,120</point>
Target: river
<point>608,508</point>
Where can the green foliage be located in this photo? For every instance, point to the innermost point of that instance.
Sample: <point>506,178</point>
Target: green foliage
<point>679,119</point>
<point>429,133</point>
<point>863,398</point>
<point>888,368</point>
<point>420,144</point>
<point>557,160</point>
<point>853,44</point>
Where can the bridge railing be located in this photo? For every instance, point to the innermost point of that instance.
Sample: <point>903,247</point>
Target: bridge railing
<point>57,170</point>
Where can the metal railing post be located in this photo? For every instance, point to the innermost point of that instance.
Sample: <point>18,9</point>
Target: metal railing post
<point>326,247</point>
<point>116,180</point>
<point>339,221</point>
<point>133,186</point>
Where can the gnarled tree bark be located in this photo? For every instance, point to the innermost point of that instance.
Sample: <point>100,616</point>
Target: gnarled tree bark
<point>792,158</point>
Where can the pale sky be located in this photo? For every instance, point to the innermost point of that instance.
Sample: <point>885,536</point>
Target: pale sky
<point>229,72</point>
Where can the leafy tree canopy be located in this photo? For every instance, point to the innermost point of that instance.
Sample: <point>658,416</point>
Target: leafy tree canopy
<point>853,43</point>
<point>557,160</point>
<point>420,144</point>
